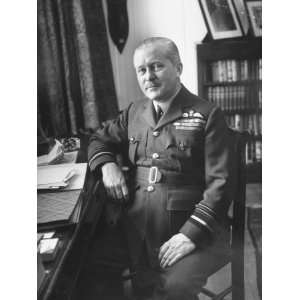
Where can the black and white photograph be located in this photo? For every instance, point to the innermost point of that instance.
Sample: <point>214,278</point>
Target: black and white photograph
<point>255,15</point>
<point>149,150</point>
<point>221,18</point>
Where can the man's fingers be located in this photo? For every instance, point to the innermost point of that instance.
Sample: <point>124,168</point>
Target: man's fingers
<point>174,259</point>
<point>125,191</point>
<point>118,192</point>
<point>162,250</point>
<point>166,256</point>
<point>112,192</point>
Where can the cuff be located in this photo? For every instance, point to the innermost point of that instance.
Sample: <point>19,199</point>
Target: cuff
<point>99,160</point>
<point>198,233</point>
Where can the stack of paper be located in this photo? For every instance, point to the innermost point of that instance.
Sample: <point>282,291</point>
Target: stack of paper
<point>62,205</point>
<point>62,176</point>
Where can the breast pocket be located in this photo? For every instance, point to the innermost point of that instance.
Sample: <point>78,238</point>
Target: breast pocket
<point>184,140</point>
<point>180,205</point>
<point>134,142</point>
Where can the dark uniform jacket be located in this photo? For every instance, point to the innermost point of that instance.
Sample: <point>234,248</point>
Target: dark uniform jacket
<point>190,139</point>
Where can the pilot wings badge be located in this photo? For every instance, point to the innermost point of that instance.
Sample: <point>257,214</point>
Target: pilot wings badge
<point>190,120</point>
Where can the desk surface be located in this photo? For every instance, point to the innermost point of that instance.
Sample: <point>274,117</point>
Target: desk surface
<point>61,274</point>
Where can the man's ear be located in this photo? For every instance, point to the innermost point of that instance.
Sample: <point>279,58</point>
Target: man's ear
<point>179,68</point>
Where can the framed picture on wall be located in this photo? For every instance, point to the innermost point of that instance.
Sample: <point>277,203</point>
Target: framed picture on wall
<point>254,12</point>
<point>242,15</point>
<point>221,18</point>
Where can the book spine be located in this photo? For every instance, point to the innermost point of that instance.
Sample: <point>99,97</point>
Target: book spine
<point>258,151</point>
<point>214,69</point>
<point>228,99</point>
<point>223,100</point>
<point>213,95</point>
<point>220,76</point>
<point>234,70</point>
<point>225,72</point>
<point>217,97</point>
<point>244,69</point>
<point>260,69</point>
<point>229,70</point>
<point>259,124</point>
<point>259,98</point>
<point>237,122</point>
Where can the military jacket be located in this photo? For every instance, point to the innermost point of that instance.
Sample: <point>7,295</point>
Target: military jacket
<point>190,138</point>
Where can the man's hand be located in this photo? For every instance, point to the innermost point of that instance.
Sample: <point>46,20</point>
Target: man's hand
<point>174,249</point>
<point>114,182</point>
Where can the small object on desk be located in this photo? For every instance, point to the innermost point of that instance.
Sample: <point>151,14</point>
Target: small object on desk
<point>48,249</point>
<point>48,235</point>
<point>70,143</point>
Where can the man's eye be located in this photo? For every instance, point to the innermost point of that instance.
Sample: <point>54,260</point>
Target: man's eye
<point>157,67</point>
<point>141,71</point>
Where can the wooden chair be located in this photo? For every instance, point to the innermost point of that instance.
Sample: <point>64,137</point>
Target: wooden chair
<point>237,217</point>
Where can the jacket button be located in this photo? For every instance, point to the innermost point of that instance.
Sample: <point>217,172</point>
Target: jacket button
<point>155,133</point>
<point>150,188</point>
<point>155,155</point>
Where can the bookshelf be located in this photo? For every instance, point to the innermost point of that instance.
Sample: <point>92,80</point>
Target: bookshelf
<point>229,74</point>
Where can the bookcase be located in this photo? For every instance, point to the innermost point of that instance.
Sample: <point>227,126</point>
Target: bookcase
<point>229,74</point>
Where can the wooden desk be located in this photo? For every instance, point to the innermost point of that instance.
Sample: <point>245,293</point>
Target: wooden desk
<point>62,274</point>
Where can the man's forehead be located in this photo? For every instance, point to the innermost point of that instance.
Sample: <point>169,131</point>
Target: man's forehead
<point>150,53</point>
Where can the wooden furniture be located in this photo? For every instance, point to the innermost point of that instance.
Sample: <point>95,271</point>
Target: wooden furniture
<point>254,219</point>
<point>229,74</point>
<point>60,275</point>
<point>237,216</point>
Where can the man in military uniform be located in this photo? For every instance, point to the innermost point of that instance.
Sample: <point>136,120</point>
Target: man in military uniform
<point>175,199</point>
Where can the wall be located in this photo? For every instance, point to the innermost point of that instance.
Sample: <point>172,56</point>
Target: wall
<point>180,20</point>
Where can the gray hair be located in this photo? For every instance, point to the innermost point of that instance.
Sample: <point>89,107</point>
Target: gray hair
<point>171,49</point>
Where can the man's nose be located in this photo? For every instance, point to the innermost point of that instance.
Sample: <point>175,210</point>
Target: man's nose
<point>149,75</point>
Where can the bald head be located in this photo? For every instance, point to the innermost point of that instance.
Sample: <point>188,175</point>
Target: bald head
<point>166,45</point>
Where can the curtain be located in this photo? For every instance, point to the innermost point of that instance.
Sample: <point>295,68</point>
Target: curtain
<point>75,81</point>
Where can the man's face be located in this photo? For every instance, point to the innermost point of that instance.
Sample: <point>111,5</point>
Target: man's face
<point>157,76</point>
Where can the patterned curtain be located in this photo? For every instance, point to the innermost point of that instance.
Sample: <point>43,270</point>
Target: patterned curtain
<point>75,81</point>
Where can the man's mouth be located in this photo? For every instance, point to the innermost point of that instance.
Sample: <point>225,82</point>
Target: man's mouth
<point>152,87</point>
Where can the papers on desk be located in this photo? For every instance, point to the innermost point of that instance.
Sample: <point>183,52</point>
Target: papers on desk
<point>54,156</point>
<point>64,151</point>
<point>58,209</point>
<point>62,205</point>
<point>62,176</point>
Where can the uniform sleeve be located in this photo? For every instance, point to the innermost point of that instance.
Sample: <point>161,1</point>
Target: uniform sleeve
<point>108,141</point>
<point>209,213</point>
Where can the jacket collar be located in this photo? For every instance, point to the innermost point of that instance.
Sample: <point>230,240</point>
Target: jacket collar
<point>180,103</point>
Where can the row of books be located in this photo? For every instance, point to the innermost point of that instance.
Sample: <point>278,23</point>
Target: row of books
<point>231,70</point>
<point>253,151</point>
<point>245,122</point>
<point>238,97</point>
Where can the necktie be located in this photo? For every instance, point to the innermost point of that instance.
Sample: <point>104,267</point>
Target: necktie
<point>159,113</point>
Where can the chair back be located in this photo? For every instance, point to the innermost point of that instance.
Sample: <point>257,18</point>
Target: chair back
<point>238,213</point>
